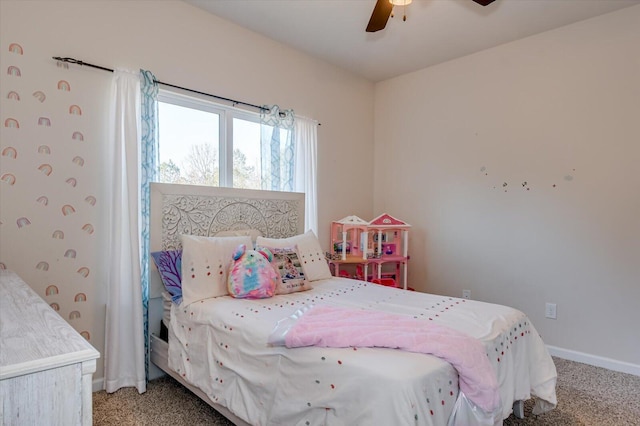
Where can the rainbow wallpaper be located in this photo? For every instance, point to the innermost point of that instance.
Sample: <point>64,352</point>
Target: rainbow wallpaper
<point>49,198</point>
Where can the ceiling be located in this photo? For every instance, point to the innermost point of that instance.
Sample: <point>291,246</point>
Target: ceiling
<point>435,30</point>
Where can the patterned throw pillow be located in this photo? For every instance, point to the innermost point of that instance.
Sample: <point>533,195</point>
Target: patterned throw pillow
<point>169,264</point>
<point>310,253</point>
<point>287,264</point>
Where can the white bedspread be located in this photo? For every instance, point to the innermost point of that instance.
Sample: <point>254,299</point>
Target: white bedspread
<point>220,345</point>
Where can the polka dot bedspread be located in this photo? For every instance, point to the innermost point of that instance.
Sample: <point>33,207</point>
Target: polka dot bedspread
<point>220,346</point>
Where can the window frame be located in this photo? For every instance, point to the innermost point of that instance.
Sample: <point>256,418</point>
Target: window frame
<point>225,126</point>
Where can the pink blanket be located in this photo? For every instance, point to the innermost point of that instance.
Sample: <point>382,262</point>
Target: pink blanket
<point>339,327</point>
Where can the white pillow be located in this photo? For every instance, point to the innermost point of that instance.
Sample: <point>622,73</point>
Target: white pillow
<point>253,233</point>
<point>205,264</point>
<point>166,307</point>
<point>311,256</point>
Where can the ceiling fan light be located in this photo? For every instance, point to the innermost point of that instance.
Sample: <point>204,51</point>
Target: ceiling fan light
<point>400,2</point>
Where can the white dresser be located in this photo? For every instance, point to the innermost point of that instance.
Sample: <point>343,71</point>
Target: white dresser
<point>46,367</point>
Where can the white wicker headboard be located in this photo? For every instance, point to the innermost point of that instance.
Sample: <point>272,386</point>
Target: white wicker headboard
<point>207,210</point>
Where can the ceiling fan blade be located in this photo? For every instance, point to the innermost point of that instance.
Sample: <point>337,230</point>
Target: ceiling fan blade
<point>380,16</point>
<point>484,2</point>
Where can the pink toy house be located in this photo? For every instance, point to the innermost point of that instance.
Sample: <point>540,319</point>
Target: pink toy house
<point>384,240</point>
<point>389,242</point>
<point>347,238</point>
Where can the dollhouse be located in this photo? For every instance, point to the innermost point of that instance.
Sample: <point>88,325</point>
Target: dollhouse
<point>382,243</point>
<point>347,237</point>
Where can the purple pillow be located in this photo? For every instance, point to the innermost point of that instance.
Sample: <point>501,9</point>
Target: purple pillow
<point>169,264</point>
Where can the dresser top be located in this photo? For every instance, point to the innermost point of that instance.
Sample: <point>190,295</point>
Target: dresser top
<point>33,337</point>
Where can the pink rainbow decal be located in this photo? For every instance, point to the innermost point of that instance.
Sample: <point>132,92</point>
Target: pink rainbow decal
<point>86,335</point>
<point>88,228</point>
<point>55,307</point>
<point>74,315</point>
<point>46,169</point>
<point>44,121</point>
<point>10,152</point>
<point>14,71</point>
<point>44,149</point>
<point>84,271</point>
<point>91,200</point>
<point>75,110</point>
<point>16,48</point>
<point>51,290</point>
<point>77,136</point>
<point>42,266</point>
<point>13,96</point>
<point>80,297</point>
<point>64,85</point>
<point>8,178</point>
<point>43,200</point>
<point>72,181</point>
<point>39,95</point>
<point>11,123</point>
<point>58,235</point>
<point>23,221</point>
<point>71,254</point>
<point>68,209</point>
<point>78,160</point>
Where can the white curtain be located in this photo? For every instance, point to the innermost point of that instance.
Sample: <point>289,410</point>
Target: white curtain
<point>124,358</point>
<point>305,172</point>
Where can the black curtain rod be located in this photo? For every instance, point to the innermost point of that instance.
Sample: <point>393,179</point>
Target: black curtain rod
<point>233,101</point>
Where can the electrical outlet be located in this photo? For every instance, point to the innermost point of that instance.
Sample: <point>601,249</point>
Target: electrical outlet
<point>466,294</point>
<point>550,311</point>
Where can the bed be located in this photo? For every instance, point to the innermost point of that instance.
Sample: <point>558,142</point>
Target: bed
<point>217,347</point>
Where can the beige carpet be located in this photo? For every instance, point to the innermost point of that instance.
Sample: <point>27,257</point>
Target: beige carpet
<point>587,395</point>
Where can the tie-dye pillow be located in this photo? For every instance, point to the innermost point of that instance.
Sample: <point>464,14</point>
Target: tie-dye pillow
<point>251,275</point>
<point>169,264</point>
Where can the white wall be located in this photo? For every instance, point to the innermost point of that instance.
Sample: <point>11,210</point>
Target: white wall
<point>182,45</point>
<point>559,111</point>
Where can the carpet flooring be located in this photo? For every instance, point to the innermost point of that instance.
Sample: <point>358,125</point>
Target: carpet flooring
<point>587,396</point>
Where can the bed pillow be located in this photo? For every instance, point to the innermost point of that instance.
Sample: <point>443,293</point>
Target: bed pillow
<point>312,258</point>
<point>287,264</point>
<point>205,262</point>
<point>166,308</point>
<point>251,275</point>
<point>169,264</point>
<point>253,233</point>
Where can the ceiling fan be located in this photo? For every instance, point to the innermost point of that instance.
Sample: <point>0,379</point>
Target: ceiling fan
<point>383,8</point>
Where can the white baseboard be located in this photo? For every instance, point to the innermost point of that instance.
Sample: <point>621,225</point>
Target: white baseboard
<point>98,384</point>
<point>595,360</point>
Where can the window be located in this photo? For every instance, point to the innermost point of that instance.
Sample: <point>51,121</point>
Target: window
<point>203,143</point>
